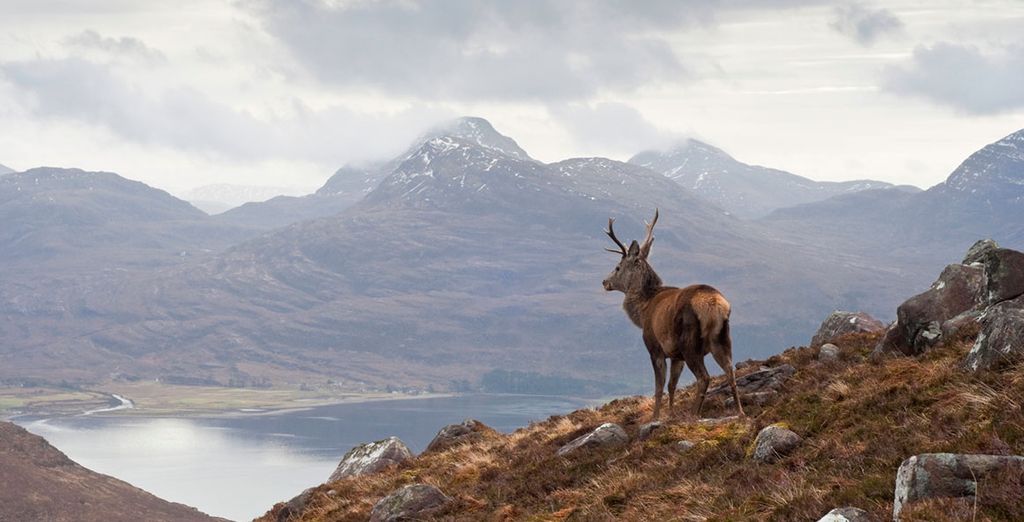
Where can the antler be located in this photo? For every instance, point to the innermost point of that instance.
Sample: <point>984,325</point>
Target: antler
<point>611,234</point>
<point>645,248</point>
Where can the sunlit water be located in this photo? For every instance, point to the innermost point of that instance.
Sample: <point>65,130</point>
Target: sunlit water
<point>238,467</point>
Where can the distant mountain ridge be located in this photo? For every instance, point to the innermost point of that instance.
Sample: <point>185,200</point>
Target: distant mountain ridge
<point>4,169</point>
<point>217,198</point>
<point>748,191</point>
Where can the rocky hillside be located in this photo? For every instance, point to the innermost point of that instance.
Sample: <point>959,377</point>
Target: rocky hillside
<point>846,424</point>
<point>38,482</point>
<point>748,191</point>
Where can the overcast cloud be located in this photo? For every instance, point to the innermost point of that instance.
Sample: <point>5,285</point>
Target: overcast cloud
<point>199,91</point>
<point>963,77</point>
<point>864,24</point>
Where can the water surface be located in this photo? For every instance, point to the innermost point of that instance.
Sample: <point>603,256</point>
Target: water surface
<point>238,467</point>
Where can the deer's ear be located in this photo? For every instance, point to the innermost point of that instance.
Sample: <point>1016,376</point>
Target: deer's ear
<point>634,249</point>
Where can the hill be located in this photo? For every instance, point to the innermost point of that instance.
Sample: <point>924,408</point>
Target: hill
<point>38,482</point>
<point>4,169</point>
<point>936,436</point>
<point>749,191</point>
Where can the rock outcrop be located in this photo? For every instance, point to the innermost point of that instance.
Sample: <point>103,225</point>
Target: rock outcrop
<point>1001,340</point>
<point>372,457</point>
<point>773,443</point>
<point>1004,274</point>
<point>607,434</point>
<point>452,435</point>
<point>412,502</point>
<point>840,323</point>
<point>944,475</point>
<point>918,326</point>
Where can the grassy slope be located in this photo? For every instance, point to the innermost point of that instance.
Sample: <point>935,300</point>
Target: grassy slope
<point>859,418</point>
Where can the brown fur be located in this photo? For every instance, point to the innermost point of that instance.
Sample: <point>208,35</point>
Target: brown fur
<point>679,324</point>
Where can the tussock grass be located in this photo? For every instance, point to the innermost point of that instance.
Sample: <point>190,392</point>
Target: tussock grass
<point>859,416</point>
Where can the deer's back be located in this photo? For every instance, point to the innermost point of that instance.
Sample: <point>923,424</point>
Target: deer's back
<point>690,313</point>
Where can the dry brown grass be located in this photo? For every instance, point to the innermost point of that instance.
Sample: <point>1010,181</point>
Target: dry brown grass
<point>860,417</point>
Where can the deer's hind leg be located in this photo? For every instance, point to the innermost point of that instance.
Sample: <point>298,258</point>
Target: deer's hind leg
<point>721,350</point>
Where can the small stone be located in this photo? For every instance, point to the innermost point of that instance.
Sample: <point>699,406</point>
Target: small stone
<point>646,430</point>
<point>371,457</point>
<point>684,445</point>
<point>412,502</point>
<point>773,443</point>
<point>846,514</point>
<point>607,434</point>
<point>828,352</point>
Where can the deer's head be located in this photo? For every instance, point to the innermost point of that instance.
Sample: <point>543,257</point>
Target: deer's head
<point>633,273</point>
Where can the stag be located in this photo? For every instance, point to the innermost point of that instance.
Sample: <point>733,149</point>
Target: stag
<point>679,324</point>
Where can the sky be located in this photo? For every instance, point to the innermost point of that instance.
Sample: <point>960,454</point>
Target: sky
<point>185,93</point>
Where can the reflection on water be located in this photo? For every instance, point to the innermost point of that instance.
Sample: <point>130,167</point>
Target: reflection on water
<point>239,467</point>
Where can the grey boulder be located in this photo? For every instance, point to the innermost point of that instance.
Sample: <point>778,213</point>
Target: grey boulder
<point>412,502</point>
<point>456,434</point>
<point>773,443</point>
<point>840,323</point>
<point>828,352</point>
<point>371,457</point>
<point>607,434</point>
<point>1004,271</point>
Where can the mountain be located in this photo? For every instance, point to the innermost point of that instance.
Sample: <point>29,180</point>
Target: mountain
<point>981,198</point>
<point>5,170</point>
<point>41,483</point>
<point>351,183</point>
<point>463,260</point>
<point>748,191</point>
<point>52,214</point>
<point>214,199</point>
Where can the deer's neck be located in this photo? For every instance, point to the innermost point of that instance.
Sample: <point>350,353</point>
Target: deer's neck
<point>637,304</point>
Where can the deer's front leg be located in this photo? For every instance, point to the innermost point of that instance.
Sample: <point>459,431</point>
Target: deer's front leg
<point>658,362</point>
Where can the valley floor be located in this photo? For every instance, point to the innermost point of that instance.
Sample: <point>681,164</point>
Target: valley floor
<point>156,399</point>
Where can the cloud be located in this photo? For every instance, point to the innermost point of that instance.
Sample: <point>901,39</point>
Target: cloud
<point>126,47</point>
<point>486,50</point>
<point>865,25</point>
<point>612,128</point>
<point>962,77</point>
<point>180,118</point>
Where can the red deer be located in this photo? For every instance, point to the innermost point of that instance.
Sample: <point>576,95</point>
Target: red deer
<point>679,324</point>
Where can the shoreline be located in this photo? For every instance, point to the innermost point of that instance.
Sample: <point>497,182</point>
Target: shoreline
<point>129,408</point>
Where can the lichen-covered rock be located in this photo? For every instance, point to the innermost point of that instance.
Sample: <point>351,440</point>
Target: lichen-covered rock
<point>840,323</point>
<point>1001,340</point>
<point>938,475</point>
<point>452,435</point>
<point>828,352</point>
<point>773,443</point>
<point>1004,271</point>
<point>846,514</point>
<point>684,445</point>
<point>951,327</point>
<point>412,502</point>
<point>607,434</point>
<point>977,252</point>
<point>919,320</point>
<point>372,457</point>
<point>648,429</point>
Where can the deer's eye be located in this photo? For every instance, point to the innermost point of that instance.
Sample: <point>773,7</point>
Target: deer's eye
<point>616,269</point>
